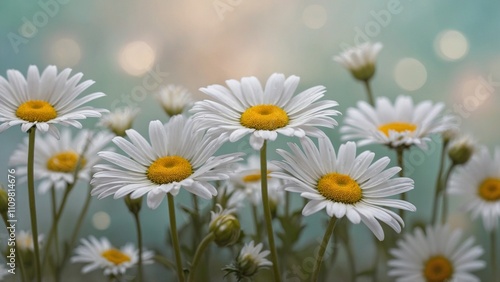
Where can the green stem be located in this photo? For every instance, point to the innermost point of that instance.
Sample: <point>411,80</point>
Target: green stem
<point>32,201</point>
<point>369,92</point>
<point>267,212</point>
<point>175,238</point>
<point>199,252</point>
<point>287,204</point>
<point>322,248</point>
<point>164,261</point>
<point>56,234</point>
<point>139,243</point>
<point>444,212</point>
<point>350,258</point>
<point>493,247</point>
<point>18,255</point>
<point>79,222</point>
<point>400,153</point>
<point>439,185</point>
<point>255,215</point>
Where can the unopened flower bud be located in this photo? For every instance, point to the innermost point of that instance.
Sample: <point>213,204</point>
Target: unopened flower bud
<point>225,227</point>
<point>120,120</point>
<point>174,99</point>
<point>133,205</point>
<point>461,150</point>
<point>450,134</point>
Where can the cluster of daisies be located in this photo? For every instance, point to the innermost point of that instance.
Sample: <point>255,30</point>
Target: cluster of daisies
<point>342,180</point>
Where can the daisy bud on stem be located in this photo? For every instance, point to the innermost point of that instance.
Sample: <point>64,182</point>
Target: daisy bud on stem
<point>461,150</point>
<point>225,227</point>
<point>134,206</point>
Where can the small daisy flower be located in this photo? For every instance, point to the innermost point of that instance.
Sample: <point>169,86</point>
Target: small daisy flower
<point>24,240</point>
<point>345,184</point>
<point>247,179</point>
<point>180,155</point>
<point>56,160</point>
<point>100,254</point>
<point>250,260</point>
<point>245,108</point>
<point>436,255</point>
<point>403,124</point>
<point>360,60</point>
<point>44,100</point>
<point>119,120</point>
<point>478,181</point>
<point>174,99</point>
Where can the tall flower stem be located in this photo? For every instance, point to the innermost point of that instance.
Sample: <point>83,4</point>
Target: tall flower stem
<point>437,193</point>
<point>139,243</point>
<point>32,202</point>
<point>322,248</point>
<point>175,238</point>
<point>56,234</point>
<point>369,92</point>
<point>493,250</point>
<point>198,254</point>
<point>400,154</point>
<point>444,213</point>
<point>267,212</point>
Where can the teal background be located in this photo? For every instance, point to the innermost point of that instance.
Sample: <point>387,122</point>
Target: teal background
<point>199,43</point>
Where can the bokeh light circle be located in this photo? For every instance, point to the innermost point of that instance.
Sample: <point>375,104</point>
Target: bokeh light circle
<point>101,220</point>
<point>314,16</point>
<point>410,74</point>
<point>65,52</point>
<point>451,45</point>
<point>137,57</point>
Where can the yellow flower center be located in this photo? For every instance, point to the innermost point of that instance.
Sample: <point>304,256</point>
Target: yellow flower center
<point>489,190</point>
<point>438,269</point>
<point>397,126</point>
<point>264,117</point>
<point>339,188</point>
<point>36,110</point>
<point>64,162</point>
<point>169,169</point>
<point>115,256</point>
<point>254,177</point>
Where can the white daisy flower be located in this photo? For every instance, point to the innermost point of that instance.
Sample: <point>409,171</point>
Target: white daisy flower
<point>100,254</point>
<point>247,179</point>
<point>44,100</point>
<point>180,155</point>
<point>403,124</point>
<point>360,60</point>
<point>56,160</point>
<point>119,120</point>
<point>478,181</point>
<point>24,240</point>
<point>174,99</point>
<point>345,184</point>
<point>436,255</point>
<point>245,108</point>
<point>251,258</point>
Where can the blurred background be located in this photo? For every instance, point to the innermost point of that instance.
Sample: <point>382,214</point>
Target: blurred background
<point>446,51</point>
